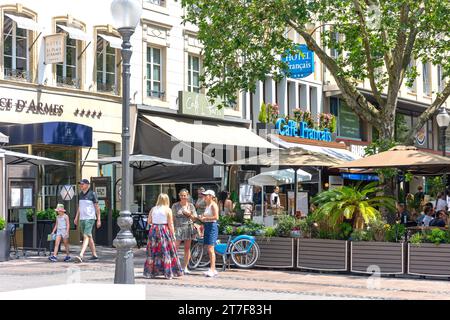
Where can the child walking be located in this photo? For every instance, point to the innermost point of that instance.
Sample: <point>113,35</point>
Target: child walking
<point>61,228</point>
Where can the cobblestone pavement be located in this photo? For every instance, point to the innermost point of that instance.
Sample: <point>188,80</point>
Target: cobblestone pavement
<point>37,271</point>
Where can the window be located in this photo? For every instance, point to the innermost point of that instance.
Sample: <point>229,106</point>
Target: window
<point>440,78</point>
<point>426,72</point>
<point>348,123</point>
<point>106,67</point>
<point>15,54</point>
<point>413,86</point>
<point>334,41</point>
<point>66,72</point>
<point>154,72</point>
<point>106,149</point>
<point>193,74</point>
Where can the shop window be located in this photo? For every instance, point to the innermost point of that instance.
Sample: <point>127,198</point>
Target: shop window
<point>16,56</point>
<point>193,74</point>
<point>68,73</point>
<point>154,73</point>
<point>106,149</point>
<point>107,69</point>
<point>348,123</point>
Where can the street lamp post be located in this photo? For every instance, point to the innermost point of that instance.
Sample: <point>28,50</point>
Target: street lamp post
<point>443,120</point>
<point>126,15</point>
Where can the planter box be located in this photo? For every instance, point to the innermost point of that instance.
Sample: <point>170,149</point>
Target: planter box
<point>4,245</point>
<point>427,259</point>
<point>276,252</point>
<point>44,228</point>
<point>101,235</point>
<point>323,255</point>
<point>381,257</point>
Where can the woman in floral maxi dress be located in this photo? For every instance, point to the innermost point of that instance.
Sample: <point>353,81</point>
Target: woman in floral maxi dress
<point>162,257</point>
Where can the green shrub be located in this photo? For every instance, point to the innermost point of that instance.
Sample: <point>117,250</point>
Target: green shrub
<point>2,224</point>
<point>395,233</point>
<point>48,214</point>
<point>416,238</point>
<point>285,225</point>
<point>437,236</point>
<point>359,235</point>
<point>270,232</point>
<point>30,215</point>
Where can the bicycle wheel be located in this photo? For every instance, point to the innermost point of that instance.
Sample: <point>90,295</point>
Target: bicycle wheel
<point>244,253</point>
<point>196,255</point>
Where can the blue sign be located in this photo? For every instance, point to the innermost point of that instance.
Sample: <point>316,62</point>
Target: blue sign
<point>300,66</point>
<point>360,176</point>
<point>58,133</point>
<point>295,129</point>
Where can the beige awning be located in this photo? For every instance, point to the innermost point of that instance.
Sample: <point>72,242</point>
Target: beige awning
<point>114,42</point>
<point>25,23</point>
<point>76,34</point>
<point>218,134</point>
<point>292,157</point>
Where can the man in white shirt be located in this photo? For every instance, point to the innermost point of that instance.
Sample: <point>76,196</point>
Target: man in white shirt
<point>275,202</point>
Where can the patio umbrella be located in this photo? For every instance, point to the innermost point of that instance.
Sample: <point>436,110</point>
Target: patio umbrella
<point>405,158</point>
<point>279,177</point>
<point>21,158</point>
<point>142,161</point>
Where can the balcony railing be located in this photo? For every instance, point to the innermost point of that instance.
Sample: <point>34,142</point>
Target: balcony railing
<point>106,88</point>
<point>68,82</point>
<point>161,3</point>
<point>18,75</point>
<point>156,94</point>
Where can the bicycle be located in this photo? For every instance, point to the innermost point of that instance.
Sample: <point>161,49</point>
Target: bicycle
<point>243,251</point>
<point>139,229</point>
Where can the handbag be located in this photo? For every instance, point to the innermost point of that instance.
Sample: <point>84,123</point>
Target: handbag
<point>51,237</point>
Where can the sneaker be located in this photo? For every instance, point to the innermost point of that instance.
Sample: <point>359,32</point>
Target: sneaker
<point>186,271</point>
<point>93,258</point>
<point>216,273</point>
<point>67,259</point>
<point>210,274</point>
<point>78,259</point>
<point>53,259</point>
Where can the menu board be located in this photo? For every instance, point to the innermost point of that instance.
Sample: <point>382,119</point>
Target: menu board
<point>349,126</point>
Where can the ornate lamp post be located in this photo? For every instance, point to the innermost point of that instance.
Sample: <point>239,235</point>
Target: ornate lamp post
<point>443,120</point>
<point>126,15</point>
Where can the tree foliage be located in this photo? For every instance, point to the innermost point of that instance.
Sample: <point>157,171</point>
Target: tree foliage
<point>244,39</point>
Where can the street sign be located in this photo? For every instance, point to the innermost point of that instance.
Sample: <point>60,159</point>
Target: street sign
<point>67,192</point>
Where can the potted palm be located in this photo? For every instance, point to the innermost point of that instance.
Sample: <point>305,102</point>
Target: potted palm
<point>4,241</point>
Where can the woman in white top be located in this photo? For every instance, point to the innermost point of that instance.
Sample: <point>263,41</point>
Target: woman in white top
<point>209,218</point>
<point>162,257</point>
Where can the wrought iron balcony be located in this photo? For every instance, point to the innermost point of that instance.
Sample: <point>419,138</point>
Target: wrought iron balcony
<point>106,88</point>
<point>161,3</point>
<point>18,75</point>
<point>156,94</point>
<point>68,82</point>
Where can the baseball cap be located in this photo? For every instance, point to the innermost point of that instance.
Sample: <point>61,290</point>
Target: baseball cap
<point>84,181</point>
<point>60,207</point>
<point>209,192</point>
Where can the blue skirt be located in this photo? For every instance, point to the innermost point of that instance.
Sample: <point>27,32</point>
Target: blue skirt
<point>211,233</point>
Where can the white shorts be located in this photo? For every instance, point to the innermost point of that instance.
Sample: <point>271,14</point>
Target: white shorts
<point>62,233</point>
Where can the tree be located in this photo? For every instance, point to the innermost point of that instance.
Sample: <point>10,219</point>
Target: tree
<point>243,40</point>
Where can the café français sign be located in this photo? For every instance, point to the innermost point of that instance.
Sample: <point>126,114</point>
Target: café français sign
<point>196,104</point>
<point>301,130</point>
<point>31,107</point>
<point>300,65</point>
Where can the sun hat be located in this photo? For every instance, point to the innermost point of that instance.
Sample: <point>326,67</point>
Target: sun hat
<point>209,192</point>
<point>60,207</point>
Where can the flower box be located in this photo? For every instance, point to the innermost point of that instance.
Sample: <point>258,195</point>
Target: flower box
<point>384,258</point>
<point>427,259</point>
<point>275,252</point>
<point>323,255</point>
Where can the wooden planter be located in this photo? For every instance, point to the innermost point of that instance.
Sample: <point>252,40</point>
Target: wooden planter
<point>381,257</point>
<point>323,255</point>
<point>101,235</point>
<point>276,252</point>
<point>427,259</point>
